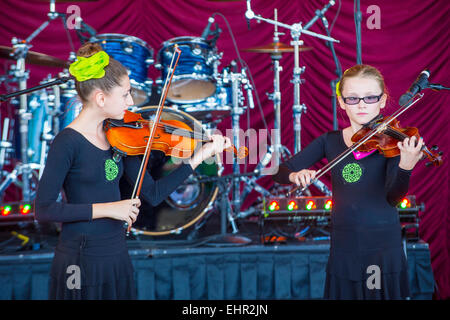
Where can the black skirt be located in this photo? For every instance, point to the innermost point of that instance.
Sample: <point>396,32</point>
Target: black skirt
<point>355,254</point>
<point>92,267</point>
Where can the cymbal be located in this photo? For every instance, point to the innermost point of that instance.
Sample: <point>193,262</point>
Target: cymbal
<point>276,47</point>
<point>36,58</point>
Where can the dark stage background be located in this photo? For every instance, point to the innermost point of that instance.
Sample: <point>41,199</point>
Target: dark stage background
<point>413,35</point>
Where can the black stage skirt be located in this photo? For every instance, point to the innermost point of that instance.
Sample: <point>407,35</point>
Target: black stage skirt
<point>92,267</point>
<point>367,263</point>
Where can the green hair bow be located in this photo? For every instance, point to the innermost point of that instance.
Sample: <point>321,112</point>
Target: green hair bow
<point>90,68</point>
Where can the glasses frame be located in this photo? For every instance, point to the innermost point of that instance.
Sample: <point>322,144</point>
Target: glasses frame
<point>363,98</point>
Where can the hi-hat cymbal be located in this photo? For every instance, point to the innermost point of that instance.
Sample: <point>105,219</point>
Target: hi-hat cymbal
<point>36,58</point>
<point>276,47</point>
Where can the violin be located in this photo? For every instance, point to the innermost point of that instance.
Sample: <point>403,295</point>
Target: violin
<point>139,136</point>
<point>386,140</point>
<point>173,137</point>
<point>382,135</point>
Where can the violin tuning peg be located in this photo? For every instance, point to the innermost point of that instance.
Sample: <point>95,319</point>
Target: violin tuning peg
<point>435,147</point>
<point>428,164</point>
<point>440,153</point>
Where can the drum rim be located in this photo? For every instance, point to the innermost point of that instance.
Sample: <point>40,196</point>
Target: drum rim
<point>118,36</point>
<point>210,203</point>
<point>193,39</point>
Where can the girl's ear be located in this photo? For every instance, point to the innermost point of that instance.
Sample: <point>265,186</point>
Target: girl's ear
<point>99,97</point>
<point>383,101</point>
<point>341,102</point>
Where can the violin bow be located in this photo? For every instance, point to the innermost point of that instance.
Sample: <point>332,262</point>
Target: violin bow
<point>382,126</point>
<point>144,162</point>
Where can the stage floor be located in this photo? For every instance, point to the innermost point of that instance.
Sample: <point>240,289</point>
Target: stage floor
<point>212,270</point>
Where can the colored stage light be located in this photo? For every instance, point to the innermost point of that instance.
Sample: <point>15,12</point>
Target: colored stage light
<point>310,205</point>
<point>292,205</point>
<point>274,205</point>
<point>328,205</point>
<point>6,210</point>
<point>405,203</point>
<point>25,208</point>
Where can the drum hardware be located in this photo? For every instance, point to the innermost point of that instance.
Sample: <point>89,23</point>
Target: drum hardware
<point>25,168</point>
<point>20,52</point>
<point>296,31</point>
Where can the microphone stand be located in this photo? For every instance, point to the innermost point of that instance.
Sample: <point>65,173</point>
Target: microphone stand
<point>358,18</point>
<point>337,71</point>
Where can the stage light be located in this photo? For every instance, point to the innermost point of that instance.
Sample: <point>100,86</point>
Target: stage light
<point>25,208</point>
<point>292,205</point>
<point>328,205</point>
<point>274,205</point>
<point>405,203</point>
<point>6,210</point>
<point>310,205</point>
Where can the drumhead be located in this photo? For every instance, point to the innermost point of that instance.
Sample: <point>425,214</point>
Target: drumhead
<point>190,202</point>
<point>117,37</point>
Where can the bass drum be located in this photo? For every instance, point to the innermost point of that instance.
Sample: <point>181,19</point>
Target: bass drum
<point>190,202</point>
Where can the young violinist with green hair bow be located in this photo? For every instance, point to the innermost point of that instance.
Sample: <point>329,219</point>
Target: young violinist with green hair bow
<point>91,259</point>
<point>366,258</point>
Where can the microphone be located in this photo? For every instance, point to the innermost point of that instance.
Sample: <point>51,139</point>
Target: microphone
<point>87,28</point>
<point>319,14</point>
<point>418,85</point>
<point>205,32</point>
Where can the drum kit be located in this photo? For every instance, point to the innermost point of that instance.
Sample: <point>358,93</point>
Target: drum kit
<point>200,95</point>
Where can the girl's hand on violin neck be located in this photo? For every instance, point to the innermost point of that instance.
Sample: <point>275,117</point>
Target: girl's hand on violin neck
<point>302,177</point>
<point>410,152</point>
<point>217,145</point>
<point>124,210</point>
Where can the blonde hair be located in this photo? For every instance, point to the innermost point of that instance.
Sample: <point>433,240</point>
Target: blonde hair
<point>114,72</point>
<point>361,70</point>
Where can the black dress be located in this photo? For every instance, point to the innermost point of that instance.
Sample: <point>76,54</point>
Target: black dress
<point>365,227</point>
<point>91,259</point>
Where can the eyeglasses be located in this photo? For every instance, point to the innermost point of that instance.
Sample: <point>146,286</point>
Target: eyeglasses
<point>356,100</point>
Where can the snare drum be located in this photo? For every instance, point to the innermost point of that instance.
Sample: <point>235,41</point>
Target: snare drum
<point>136,55</point>
<point>194,79</point>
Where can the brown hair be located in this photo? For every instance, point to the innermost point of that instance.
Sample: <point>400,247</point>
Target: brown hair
<point>363,70</point>
<point>114,72</point>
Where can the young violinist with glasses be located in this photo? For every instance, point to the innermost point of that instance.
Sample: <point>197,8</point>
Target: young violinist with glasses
<point>365,227</point>
<point>91,259</point>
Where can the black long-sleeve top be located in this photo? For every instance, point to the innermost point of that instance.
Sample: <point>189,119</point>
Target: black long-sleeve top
<point>365,191</point>
<point>89,175</point>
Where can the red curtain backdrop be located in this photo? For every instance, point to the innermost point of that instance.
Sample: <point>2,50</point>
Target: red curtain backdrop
<point>412,35</point>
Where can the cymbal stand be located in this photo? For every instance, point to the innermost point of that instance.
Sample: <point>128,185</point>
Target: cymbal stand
<point>281,152</point>
<point>20,51</point>
<point>296,31</point>
<point>236,112</point>
<point>25,169</point>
